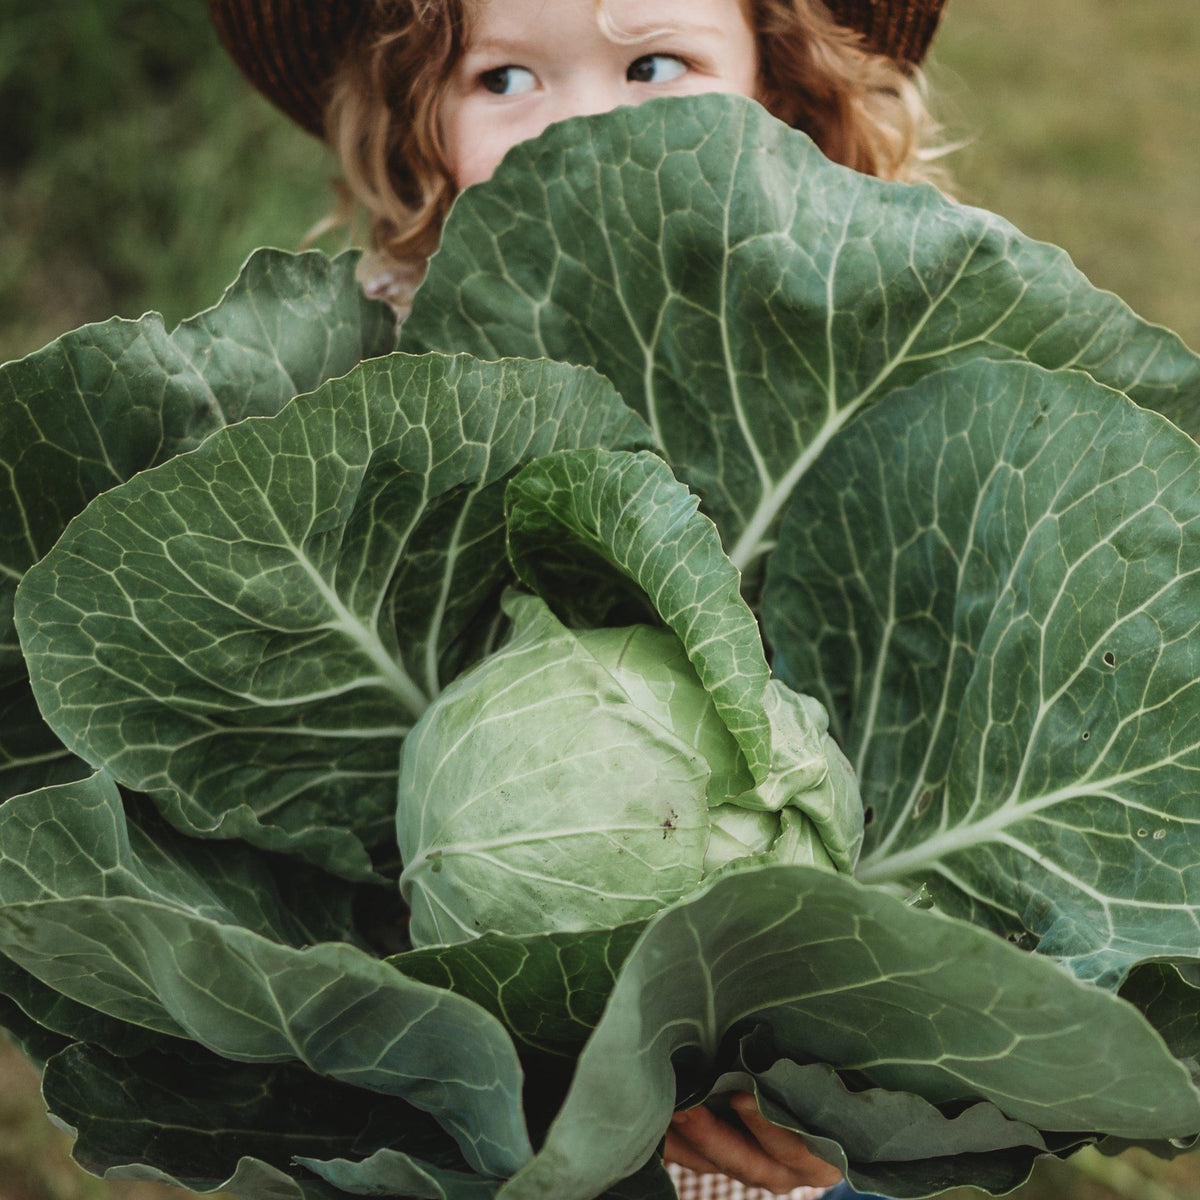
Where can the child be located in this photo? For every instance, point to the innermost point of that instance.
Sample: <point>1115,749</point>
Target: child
<point>421,98</point>
<point>396,87</point>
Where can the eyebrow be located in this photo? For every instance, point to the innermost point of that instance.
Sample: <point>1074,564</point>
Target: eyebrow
<point>495,45</point>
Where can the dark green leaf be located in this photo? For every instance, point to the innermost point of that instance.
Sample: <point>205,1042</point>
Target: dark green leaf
<point>249,631</point>
<point>892,1141</point>
<point>749,297</point>
<point>30,755</point>
<point>194,1118</point>
<point>107,401</point>
<point>993,583</point>
<point>121,924</point>
<point>391,1173</point>
<point>64,1019</point>
<point>1171,1006</point>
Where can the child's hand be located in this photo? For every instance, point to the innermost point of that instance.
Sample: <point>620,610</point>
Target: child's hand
<point>768,1157</point>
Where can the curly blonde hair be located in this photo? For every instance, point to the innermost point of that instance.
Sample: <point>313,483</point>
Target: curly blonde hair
<point>863,110</point>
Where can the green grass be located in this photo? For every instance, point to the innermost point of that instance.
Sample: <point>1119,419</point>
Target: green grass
<point>1082,119</point>
<point>144,176</point>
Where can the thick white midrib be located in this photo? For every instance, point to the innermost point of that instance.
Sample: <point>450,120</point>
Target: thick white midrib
<point>943,709</point>
<point>390,672</point>
<point>646,348</point>
<point>204,710</point>
<point>876,694</point>
<point>707,1028</point>
<point>347,734</point>
<point>731,374</point>
<point>648,376</point>
<point>750,545</point>
<point>1102,899</point>
<point>885,869</point>
<point>89,412</point>
<point>1047,703</point>
<point>392,675</point>
<point>25,760</point>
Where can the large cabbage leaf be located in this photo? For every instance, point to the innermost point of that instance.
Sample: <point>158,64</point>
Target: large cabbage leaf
<point>158,935</point>
<point>100,404</point>
<point>749,297</point>
<point>1010,645</point>
<point>248,631</point>
<point>906,999</point>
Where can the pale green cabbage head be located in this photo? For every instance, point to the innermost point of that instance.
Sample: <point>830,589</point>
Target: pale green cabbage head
<point>578,780</point>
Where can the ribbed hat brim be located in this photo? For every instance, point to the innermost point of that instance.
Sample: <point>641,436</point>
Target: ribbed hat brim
<point>902,31</point>
<point>289,49</point>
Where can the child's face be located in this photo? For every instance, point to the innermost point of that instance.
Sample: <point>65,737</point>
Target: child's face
<point>528,63</point>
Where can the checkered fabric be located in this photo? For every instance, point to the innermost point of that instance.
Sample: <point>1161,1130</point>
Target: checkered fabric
<point>693,1186</point>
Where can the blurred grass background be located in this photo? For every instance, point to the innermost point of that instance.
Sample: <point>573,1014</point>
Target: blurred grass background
<point>137,172</point>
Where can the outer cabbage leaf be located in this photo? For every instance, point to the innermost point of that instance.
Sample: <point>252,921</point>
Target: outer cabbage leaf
<point>251,1179</point>
<point>64,1020</point>
<point>993,582</point>
<point>749,298</point>
<point>892,1142</point>
<point>157,935</point>
<point>192,1117</point>
<point>75,833</point>
<point>390,1174</point>
<point>248,631</point>
<point>1169,1003</point>
<point>912,1001</point>
<point>32,1038</point>
<point>109,400</point>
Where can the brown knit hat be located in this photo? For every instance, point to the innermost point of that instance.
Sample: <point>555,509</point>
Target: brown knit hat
<point>289,49</point>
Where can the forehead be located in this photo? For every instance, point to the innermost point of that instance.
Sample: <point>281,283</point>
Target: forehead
<point>625,18</point>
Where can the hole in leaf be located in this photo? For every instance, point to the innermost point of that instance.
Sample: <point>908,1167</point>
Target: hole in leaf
<point>1087,735</point>
<point>1110,659</point>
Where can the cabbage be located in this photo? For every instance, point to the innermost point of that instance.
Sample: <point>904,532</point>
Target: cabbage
<point>675,387</point>
<point>577,781</point>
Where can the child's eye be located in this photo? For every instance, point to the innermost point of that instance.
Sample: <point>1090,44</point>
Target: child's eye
<point>655,68</point>
<point>508,81</point>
